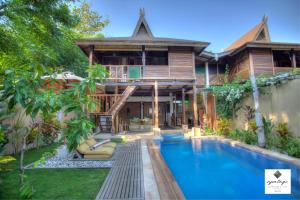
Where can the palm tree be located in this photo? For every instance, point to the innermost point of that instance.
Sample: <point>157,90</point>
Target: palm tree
<point>258,117</point>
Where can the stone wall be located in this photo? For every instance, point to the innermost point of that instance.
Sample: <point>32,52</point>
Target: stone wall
<point>279,103</point>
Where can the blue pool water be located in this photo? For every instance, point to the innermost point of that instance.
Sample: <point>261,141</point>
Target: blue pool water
<point>209,169</point>
<point>178,137</point>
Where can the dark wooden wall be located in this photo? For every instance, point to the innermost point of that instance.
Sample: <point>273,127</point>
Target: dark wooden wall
<point>239,65</point>
<point>262,61</point>
<point>181,63</point>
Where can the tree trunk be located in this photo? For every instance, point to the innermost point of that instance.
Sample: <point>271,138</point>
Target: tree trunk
<point>22,159</point>
<point>258,117</point>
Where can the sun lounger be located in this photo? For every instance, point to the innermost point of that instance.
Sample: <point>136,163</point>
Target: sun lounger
<point>103,151</point>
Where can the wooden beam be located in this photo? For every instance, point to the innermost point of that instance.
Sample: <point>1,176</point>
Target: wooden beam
<point>183,107</point>
<point>195,106</point>
<point>91,55</point>
<point>156,124</point>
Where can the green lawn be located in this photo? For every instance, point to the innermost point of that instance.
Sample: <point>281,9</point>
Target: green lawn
<point>53,183</point>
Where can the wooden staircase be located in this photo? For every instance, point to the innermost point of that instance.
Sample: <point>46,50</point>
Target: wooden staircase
<point>116,107</point>
<point>113,109</point>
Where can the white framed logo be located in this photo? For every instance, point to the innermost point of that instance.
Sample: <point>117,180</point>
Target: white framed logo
<point>277,181</point>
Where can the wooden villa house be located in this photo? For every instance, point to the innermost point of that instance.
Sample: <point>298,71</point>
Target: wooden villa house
<point>155,82</point>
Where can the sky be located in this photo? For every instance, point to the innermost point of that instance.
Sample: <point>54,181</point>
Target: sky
<point>219,22</point>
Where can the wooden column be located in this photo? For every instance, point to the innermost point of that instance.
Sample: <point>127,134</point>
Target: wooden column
<point>175,111</point>
<point>294,60</point>
<point>153,107</point>
<point>273,66</point>
<point>91,55</point>
<point>195,108</point>
<point>171,108</point>
<point>142,110</point>
<point>183,107</point>
<point>206,75</point>
<point>156,124</point>
<point>143,60</point>
<point>117,115</point>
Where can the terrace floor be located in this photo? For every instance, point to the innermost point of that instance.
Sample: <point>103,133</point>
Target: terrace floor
<point>125,179</point>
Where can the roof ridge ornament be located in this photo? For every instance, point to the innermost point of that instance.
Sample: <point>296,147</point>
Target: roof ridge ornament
<point>265,19</point>
<point>142,12</point>
<point>142,28</point>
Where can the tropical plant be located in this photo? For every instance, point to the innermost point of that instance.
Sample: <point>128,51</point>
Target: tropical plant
<point>291,146</point>
<point>208,131</point>
<point>223,126</point>
<point>282,129</point>
<point>252,125</point>
<point>249,112</point>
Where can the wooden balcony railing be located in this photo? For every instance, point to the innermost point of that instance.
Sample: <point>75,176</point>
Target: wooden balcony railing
<point>127,73</point>
<point>104,102</point>
<point>285,69</point>
<point>124,73</point>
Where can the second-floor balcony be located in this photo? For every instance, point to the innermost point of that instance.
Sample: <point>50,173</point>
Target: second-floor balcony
<point>128,73</point>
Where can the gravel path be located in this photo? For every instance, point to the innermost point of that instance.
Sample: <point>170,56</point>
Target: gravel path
<point>63,159</point>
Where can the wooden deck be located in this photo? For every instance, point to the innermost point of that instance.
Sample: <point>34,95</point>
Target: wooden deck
<point>167,185</point>
<point>125,180</point>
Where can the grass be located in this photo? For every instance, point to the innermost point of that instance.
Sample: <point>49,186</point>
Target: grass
<point>52,183</point>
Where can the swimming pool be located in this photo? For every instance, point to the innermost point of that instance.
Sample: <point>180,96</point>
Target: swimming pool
<point>211,169</point>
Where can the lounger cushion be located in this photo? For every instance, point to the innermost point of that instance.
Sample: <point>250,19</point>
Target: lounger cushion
<point>91,141</point>
<point>110,144</point>
<point>83,148</point>
<point>101,151</point>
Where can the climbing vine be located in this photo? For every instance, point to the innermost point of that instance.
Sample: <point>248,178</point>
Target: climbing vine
<point>230,94</point>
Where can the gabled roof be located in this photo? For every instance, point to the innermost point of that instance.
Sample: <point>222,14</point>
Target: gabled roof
<point>142,29</point>
<point>142,35</point>
<point>260,32</point>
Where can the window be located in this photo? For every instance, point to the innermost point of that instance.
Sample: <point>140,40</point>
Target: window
<point>156,58</point>
<point>212,68</point>
<point>200,68</point>
<point>282,58</point>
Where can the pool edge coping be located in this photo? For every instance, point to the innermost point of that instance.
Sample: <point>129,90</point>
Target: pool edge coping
<point>172,186</point>
<point>267,152</point>
<point>150,184</point>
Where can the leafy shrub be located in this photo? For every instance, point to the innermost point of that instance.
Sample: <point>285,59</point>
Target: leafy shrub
<point>249,137</point>
<point>224,126</point>
<point>49,129</point>
<point>267,126</point>
<point>291,146</point>
<point>252,125</point>
<point>32,135</point>
<point>233,134</point>
<point>282,129</point>
<point>249,112</point>
<point>208,131</point>
<point>273,141</point>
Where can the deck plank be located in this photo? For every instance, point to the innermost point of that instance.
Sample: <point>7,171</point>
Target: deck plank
<point>125,179</point>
